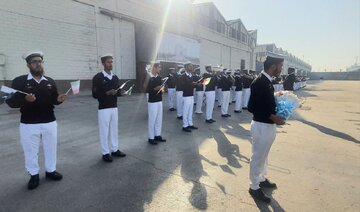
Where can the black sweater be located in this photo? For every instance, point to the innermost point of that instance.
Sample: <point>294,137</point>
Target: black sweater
<point>171,81</point>
<point>262,100</point>
<point>154,96</point>
<point>238,83</point>
<point>289,82</point>
<point>188,88</point>
<point>196,78</point>
<point>100,86</point>
<point>226,82</point>
<point>212,83</point>
<point>178,82</point>
<point>247,80</point>
<point>42,109</point>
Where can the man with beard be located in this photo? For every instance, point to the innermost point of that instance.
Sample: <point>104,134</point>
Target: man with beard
<point>106,90</point>
<point>263,126</point>
<point>38,122</point>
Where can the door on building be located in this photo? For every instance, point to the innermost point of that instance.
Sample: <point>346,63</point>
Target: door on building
<point>117,37</point>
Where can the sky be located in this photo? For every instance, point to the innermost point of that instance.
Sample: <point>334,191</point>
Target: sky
<point>324,33</point>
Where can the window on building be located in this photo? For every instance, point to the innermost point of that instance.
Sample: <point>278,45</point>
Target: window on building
<point>242,65</point>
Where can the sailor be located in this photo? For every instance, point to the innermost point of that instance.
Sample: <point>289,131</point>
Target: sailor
<point>263,126</point>
<point>238,92</point>
<point>155,89</point>
<point>37,123</point>
<point>171,88</point>
<point>106,89</point>
<point>226,82</point>
<point>209,93</point>
<point>188,97</point>
<point>179,91</point>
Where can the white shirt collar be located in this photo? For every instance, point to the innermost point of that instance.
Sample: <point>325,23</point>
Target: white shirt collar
<point>30,76</point>
<point>109,76</point>
<point>152,75</point>
<point>267,75</point>
<point>188,74</point>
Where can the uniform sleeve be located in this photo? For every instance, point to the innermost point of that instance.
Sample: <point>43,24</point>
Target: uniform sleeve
<point>17,99</point>
<point>117,85</point>
<point>54,94</point>
<point>153,82</point>
<point>97,90</point>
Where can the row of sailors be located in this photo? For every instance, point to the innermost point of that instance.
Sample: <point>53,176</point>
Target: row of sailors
<point>289,82</point>
<point>227,88</point>
<point>188,87</point>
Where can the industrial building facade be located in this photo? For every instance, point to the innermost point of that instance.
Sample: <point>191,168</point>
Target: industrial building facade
<point>74,33</point>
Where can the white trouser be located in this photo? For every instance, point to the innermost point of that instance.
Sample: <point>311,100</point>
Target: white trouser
<point>179,103</point>
<point>219,93</point>
<point>171,97</point>
<point>194,93</point>
<point>210,101</point>
<point>238,100</point>
<point>263,136</point>
<point>216,94</point>
<point>245,97</point>
<point>155,113</point>
<point>188,111</point>
<point>108,129</point>
<point>233,96</point>
<point>199,101</point>
<point>225,102</point>
<point>30,136</point>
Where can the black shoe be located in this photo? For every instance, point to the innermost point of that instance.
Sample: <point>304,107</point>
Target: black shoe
<point>233,101</point>
<point>219,105</point>
<point>267,184</point>
<point>179,117</point>
<point>56,176</point>
<point>193,127</point>
<point>172,109</point>
<point>186,129</point>
<point>209,121</point>
<point>159,139</point>
<point>228,115</point>
<point>152,142</point>
<point>107,158</point>
<point>237,111</point>
<point>224,115</point>
<point>118,154</point>
<point>244,108</point>
<point>33,182</point>
<point>198,113</point>
<point>212,120</point>
<point>259,195</point>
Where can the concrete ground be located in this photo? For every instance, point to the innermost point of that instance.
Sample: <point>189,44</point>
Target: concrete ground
<point>314,160</point>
